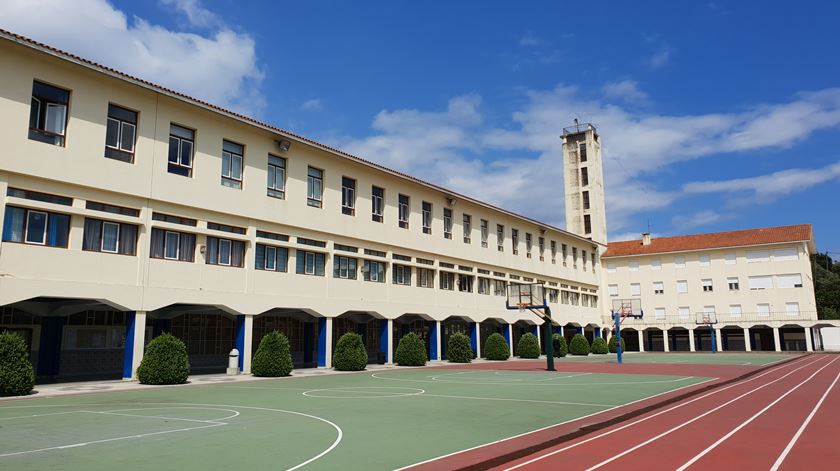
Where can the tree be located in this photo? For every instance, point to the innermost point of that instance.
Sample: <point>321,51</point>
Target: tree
<point>613,345</point>
<point>579,345</point>
<point>561,347</point>
<point>165,361</point>
<point>273,357</point>
<point>459,349</point>
<point>495,348</point>
<point>411,351</point>
<point>350,353</point>
<point>17,378</point>
<point>599,346</point>
<point>528,346</point>
<point>826,275</point>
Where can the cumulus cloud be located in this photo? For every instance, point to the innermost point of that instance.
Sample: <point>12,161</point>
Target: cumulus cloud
<point>700,218</point>
<point>767,188</point>
<point>220,67</point>
<point>660,58</point>
<point>625,90</point>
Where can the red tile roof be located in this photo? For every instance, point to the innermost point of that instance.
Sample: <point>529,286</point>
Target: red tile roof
<point>174,93</point>
<point>766,235</point>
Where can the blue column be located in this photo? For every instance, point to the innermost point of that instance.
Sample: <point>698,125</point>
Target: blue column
<point>535,329</point>
<point>474,338</point>
<point>128,348</point>
<point>322,342</point>
<point>308,333</point>
<point>580,330</point>
<point>160,326</point>
<point>433,335</point>
<point>557,329</point>
<point>383,337</point>
<point>240,340</point>
<point>782,339</point>
<point>597,331</point>
<point>49,355</point>
<point>506,333</point>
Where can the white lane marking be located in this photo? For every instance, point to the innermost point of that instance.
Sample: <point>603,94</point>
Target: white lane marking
<point>643,419</point>
<point>367,392</point>
<point>748,421</point>
<point>534,383</point>
<point>517,400</point>
<point>122,413</point>
<point>695,419</point>
<point>40,415</point>
<point>804,425</point>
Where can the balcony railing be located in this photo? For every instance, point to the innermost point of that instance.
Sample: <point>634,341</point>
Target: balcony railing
<point>651,319</point>
<point>578,128</point>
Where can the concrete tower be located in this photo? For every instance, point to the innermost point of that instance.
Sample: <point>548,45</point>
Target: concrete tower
<point>584,182</point>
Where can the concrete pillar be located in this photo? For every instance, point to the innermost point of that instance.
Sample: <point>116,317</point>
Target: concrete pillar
<point>747,340</point>
<point>509,338</point>
<point>434,341</point>
<point>244,341</point>
<point>719,338</point>
<point>135,342</point>
<point>325,342</point>
<point>537,334</point>
<point>474,339</point>
<point>776,342</point>
<point>390,353</point>
<point>383,339</point>
<point>691,341</point>
<point>641,340</point>
<point>809,347</point>
<point>665,340</point>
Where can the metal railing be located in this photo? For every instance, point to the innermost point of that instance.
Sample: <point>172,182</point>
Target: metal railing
<point>578,128</point>
<point>651,319</point>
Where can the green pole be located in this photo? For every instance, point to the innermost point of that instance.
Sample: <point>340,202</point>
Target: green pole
<point>549,341</point>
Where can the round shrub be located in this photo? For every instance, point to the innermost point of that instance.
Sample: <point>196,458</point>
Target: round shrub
<point>458,349</point>
<point>599,346</point>
<point>579,345</point>
<point>273,357</point>
<point>613,347</point>
<point>561,348</point>
<point>350,353</point>
<point>495,348</point>
<point>165,361</point>
<point>411,351</point>
<point>17,378</point>
<point>528,346</point>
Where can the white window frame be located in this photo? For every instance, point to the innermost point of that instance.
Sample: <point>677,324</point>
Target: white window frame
<point>705,260</point>
<point>735,311</point>
<point>485,232</point>
<point>314,188</point>
<point>679,262</point>
<point>120,130</point>
<point>403,210</point>
<point>707,283</point>
<point>307,256</point>
<point>684,285</point>
<point>733,280</point>
<point>613,290</point>
<point>273,257</point>
<point>635,289</point>
<point>116,242</point>
<point>794,312</point>
<point>177,235</point>
<point>43,240</point>
<point>658,287</point>
<point>731,258</point>
<point>273,169</point>
<point>659,313</point>
<point>759,309</point>
<point>62,120</point>
<point>684,312</point>
<point>348,196</point>
<point>467,223</point>
<point>219,259</point>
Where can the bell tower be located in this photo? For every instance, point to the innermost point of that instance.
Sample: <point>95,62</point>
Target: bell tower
<point>583,176</point>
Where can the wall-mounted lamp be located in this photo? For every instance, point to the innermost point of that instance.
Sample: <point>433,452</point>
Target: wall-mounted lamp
<point>283,145</point>
<point>450,201</point>
<point>202,249</point>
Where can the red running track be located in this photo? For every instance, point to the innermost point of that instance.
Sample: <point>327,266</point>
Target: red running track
<point>746,425</point>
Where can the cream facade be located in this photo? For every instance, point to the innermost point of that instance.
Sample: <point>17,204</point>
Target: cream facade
<point>165,240</point>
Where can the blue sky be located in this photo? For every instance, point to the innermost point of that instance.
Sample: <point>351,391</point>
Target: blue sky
<point>714,115</point>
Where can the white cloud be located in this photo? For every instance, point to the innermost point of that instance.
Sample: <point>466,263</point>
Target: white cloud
<point>698,219</point>
<point>625,90</point>
<point>766,188</point>
<point>312,105</point>
<point>531,40</point>
<point>195,12</point>
<point>220,67</point>
<point>660,58</point>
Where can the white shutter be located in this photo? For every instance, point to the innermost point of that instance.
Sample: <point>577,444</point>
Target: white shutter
<point>682,286</point>
<point>685,312</point>
<point>792,309</point>
<point>659,313</point>
<point>679,262</point>
<point>656,264</point>
<point>734,310</point>
<point>705,260</point>
<point>755,256</point>
<point>761,282</point>
<point>789,281</point>
<point>635,289</point>
<point>783,255</point>
<point>730,259</point>
<point>613,290</point>
<point>763,309</point>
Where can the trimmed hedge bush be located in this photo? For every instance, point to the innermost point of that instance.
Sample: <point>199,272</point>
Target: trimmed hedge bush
<point>165,361</point>
<point>561,348</point>
<point>599,346</point>
<point>411,351</point>
<point>613,347</point>
<point>350,353</point>
<point>579,345</point>
<point>17,378</point>
<point>273,357</point>
<point>495,348</point>
<point>528,346</point>
<point>459,349</point>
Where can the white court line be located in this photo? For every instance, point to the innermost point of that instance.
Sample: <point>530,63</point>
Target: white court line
<point>748,421</point>
<point>39,415</point>
<point>696,418</point>
<point>517,400</point>
<point>804,425</point>
<point>534,383</point>
<point>643,419</point>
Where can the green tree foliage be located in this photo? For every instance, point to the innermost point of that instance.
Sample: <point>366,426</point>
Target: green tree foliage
<point>599,346</point>
<point>528,346</point>
<point>273,357</point>
<point>411,351</point>
<point>495,348</point>
<point>613,345</point>
<point>826,274</point>
<point>459,350</point>
<point>579,345</point>
<point>561,347</point>
<point>350,353</point>
<point>17,378</point>
<point>165,361</point>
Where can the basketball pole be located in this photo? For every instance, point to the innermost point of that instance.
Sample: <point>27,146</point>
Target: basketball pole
<point>549,340</point>
<point>714,340</point>
<point>617,320</point>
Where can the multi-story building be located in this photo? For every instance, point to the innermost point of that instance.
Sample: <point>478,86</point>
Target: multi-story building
<point>130,210</point>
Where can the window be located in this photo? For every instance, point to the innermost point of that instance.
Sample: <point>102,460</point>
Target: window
<point>705,260</point>
<point>585,195</point>
<point>403,211</point>
<point>271,258</point>
<point>658,287</point>
<point>763,309</point>
<point>215,226</point>
<point>485,232</point>
<point>110,237</point>
<point>553,295</point>
<point>789,281</point>
<point>36,227</point>
<point>500,237</point>
<point>309,263</point>
<point>465,283</point>
<point>499,288</point>
<point>587,224</point>
<point>730,259</point>
<point>529,243</point>
<point>784,255</point>
<point>707,286</point>
<point>171,245</point>
<point>514,240</point>
<point>467,223</point>
<point>611,267</point>
<point>684,312</point>
<point>541,247</point>
<point>225,252</point>
<point>760,282</point>
<point>312,242</point>
<point>613,290</point>
<point>582,152</point>
<point>553,251</point>
<point>583,259</point>
<point>656,264</point>
<point>120,132</point>
<point>634,266</point>
<point>756,256</point>
<point>682,286</point>
<point>45,197</point>
<point>314,187</point>
<point>344,267</point>
<point>373,271</point>
<point>447,281</point>
<point>584,176</point>
<point>735,310</point>
<point>110,208</point>
<point>792,309</point>
<point>679,262</point>
<point>180,150</point>
<point>276,177</point>
<point>377,204</point>
<point>427,217</point>
<point>174,219</point>
<point>484,285</point>
<point>272,236</point>
<point>447,223</point>
<point>402,275</point>
<point>349,248</point>
<point>48,114</point>
<point>594,258</point>
<point>425,278</point>
<point>659,313</point>
<point>709,311</point>
<point>734,284</point>
<point>635,289</point>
